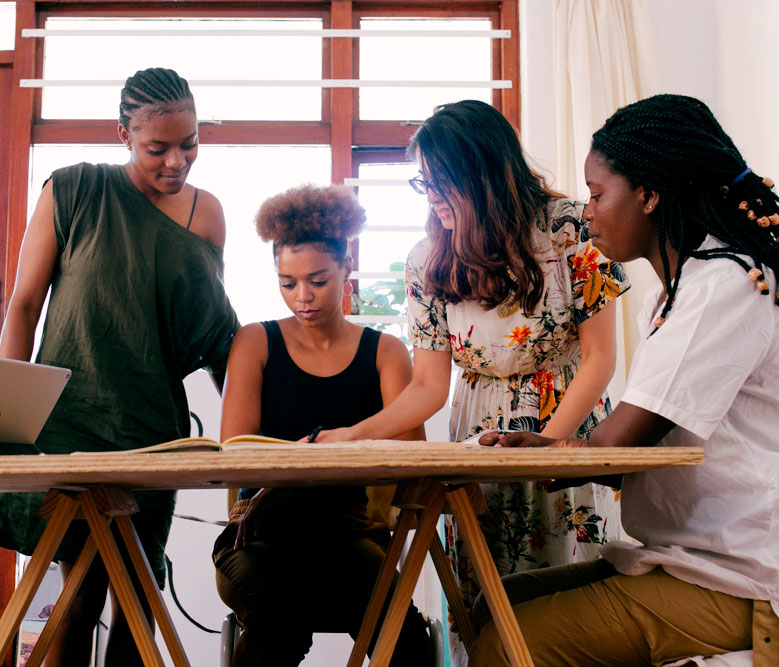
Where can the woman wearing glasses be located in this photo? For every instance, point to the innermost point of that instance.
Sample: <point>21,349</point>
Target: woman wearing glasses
<point>508,285</point>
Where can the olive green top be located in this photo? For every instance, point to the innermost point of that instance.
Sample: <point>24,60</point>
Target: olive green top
<point>137,304</point>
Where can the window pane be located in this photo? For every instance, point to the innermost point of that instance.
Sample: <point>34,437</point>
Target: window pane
<point>241,177</point>
<point>422,58</point>
<point>386,250</point>
<point>48,157</point>
<point>7,25</point>
<point>194,57</point>
<point>390,205</point>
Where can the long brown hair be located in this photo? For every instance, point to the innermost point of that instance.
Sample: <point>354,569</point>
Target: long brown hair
<point>469,147</point>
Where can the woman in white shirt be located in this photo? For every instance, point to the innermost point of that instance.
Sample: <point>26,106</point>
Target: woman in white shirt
<point>667,184</point>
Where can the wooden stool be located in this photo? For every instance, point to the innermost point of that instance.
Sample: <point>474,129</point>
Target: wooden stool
<point>99,505</point>
<point>423,502</point>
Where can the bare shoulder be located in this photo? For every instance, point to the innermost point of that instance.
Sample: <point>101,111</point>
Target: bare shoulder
<point>208,219</point>
<point>250,345</point>
<point>392,350</point>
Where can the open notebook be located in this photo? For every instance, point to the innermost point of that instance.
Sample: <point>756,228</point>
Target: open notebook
<point>258,442</point>
<point>28,393</point>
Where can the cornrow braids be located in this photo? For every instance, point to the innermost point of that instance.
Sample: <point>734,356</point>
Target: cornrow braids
<point>161,89</point>
<point>673,145</point>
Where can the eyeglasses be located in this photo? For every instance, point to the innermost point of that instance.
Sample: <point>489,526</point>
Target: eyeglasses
<point>421,186</point>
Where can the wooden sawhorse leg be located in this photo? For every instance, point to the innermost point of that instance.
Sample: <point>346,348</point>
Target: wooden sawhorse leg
<point>122,584</point>
<point>98,505</point>
<point>381,588</point>
<point>488,577</point>
<point>454,598</point>
<point>433,497</point>
<point>64,512</point>
<point>69,590</point>
<point>426,531</point>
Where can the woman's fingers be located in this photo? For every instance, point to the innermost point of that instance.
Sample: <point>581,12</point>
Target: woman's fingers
<point>523,439</point>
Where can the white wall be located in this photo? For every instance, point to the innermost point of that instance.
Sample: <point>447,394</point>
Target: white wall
<point>723,52</point>
<point>747,66</point>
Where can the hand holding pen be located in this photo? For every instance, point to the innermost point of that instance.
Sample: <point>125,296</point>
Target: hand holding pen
<point>320,435</point>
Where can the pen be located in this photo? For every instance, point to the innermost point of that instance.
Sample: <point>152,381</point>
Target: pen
<point>314,434</point>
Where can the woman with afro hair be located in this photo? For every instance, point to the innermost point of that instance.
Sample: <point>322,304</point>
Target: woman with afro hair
<point>295,561</point>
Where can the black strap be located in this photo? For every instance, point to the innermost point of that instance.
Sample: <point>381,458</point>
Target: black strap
<point>178,604</point>
<point>192,212</point>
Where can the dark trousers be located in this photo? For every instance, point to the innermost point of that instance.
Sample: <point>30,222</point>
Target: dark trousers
<point>283,592</point>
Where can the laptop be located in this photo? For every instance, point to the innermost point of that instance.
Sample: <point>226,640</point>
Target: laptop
<point>28,393</point>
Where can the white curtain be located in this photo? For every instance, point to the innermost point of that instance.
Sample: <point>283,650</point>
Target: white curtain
<point>602,61</point>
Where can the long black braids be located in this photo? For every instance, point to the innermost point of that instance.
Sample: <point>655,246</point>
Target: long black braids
<point>155,87</point>
<point>673,145</point>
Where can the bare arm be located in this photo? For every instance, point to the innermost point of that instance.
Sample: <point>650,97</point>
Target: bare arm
<point>424,396</point>
<point>209,222</point>
<point>33,277</point>
<point>630,426</point>
<point>597,339</point>
<point>395,371</point>
<point>241,409</point>
<point>241,398</point>
<point>627,426</point>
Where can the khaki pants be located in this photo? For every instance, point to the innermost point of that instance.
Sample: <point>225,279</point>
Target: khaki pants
<point>587,614</point>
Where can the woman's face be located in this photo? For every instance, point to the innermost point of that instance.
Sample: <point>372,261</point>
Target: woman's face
<point>162,150</point>
<point>448,209</point>
<point>619,215</point>
<point>311,282</point>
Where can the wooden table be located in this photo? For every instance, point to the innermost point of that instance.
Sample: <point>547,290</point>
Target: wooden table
<point>430,476</point>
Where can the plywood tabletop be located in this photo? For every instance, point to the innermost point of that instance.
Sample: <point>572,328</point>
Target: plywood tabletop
<point>362,462</point>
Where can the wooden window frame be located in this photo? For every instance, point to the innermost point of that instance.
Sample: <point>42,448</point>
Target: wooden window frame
<point>340,126</point>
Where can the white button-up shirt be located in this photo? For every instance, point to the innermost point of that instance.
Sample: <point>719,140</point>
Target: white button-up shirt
<point>713,369</point>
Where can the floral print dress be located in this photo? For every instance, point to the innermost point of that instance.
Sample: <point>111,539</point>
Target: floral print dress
<point>514,373</point>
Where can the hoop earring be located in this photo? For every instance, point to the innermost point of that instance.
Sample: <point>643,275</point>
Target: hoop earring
<point>348,289</point>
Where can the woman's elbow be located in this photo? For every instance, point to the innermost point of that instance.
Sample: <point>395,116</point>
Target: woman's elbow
<point>600,363</point>
<point>439,394</point>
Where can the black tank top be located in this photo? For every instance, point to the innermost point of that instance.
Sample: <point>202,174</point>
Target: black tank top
<point>293,404</point>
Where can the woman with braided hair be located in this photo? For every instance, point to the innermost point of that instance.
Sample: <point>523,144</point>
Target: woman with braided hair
<point>667,184</point>
<point>133,256</point>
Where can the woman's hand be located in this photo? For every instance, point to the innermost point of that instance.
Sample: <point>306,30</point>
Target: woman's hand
<point>334,435</point>
<point>570,442</point>
<point>259,506</point>
<point>527,439</point>
<point>515,439</point>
